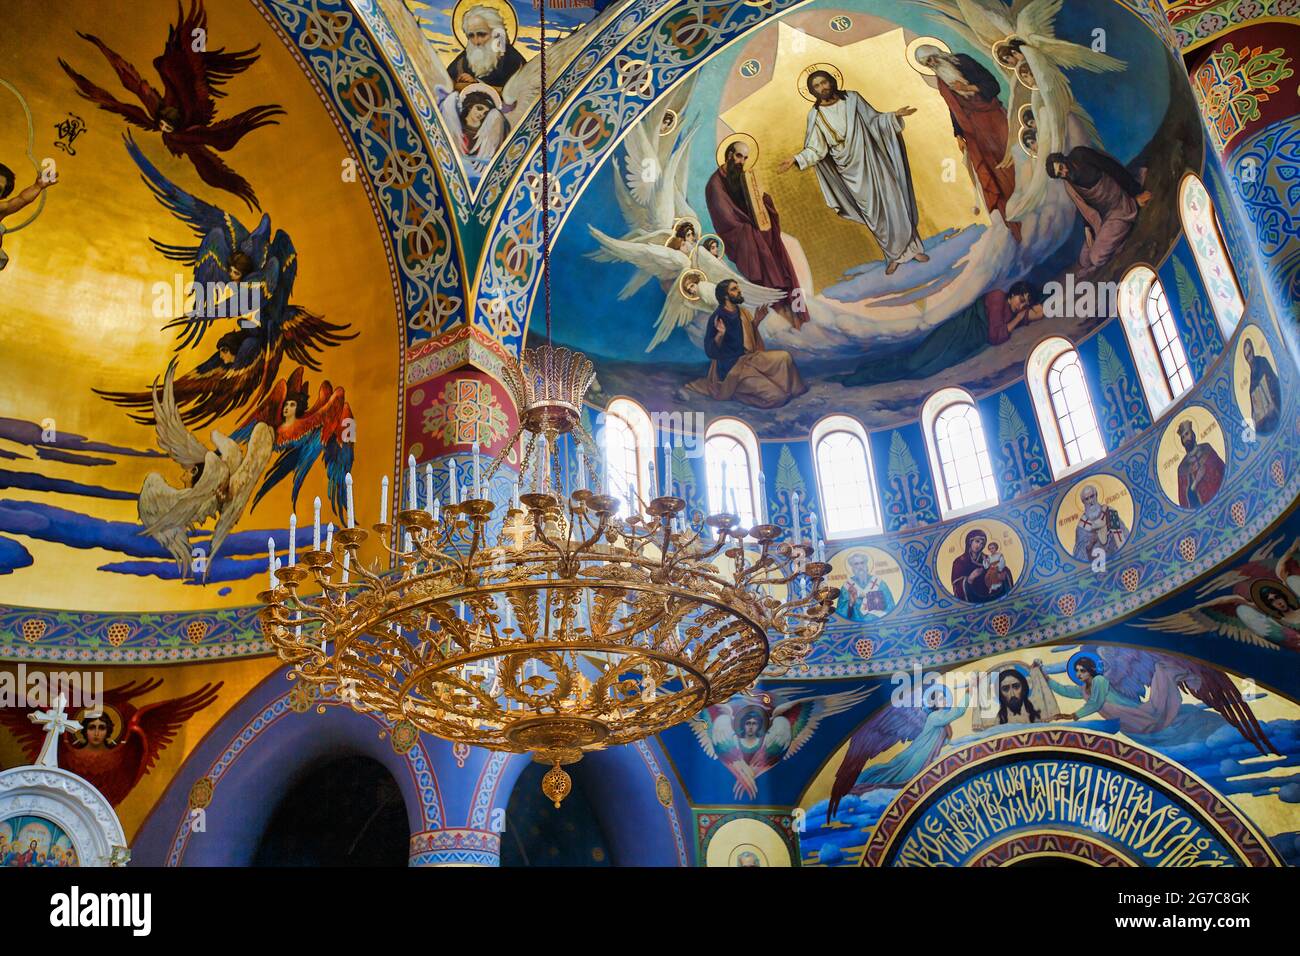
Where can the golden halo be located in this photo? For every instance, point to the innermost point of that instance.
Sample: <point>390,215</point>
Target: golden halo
<point>1025,132</point>
<point>722,246</point>
<point>670,118</point>
<point>999,45</point>
<point>508,16</point>
<point>1029,84</point>
<point>831,68</point>
<point>736,138</point>
<point>672,233</point>
<point>1025,108</point>
<point>483,88</point>
<point>917,44</point>
<point>700,278</point>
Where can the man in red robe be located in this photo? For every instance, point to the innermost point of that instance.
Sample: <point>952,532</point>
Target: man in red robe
<point>979,122</point>
<point>1200,472</point>
<point>753,239</point>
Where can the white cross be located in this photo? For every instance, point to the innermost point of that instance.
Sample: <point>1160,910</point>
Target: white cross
<point>55,721</point>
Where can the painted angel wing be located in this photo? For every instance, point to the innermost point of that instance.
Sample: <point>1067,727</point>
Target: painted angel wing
<point>1229,616</point>
<point>155,500</point>
<point>806,714</point>
<point>652,259</point>
<point>173,437</point>
<point>715,270</point>
<point>1219,692</point>
<point>190,506</point>
<point>243,480</point>
<point>884,729</point>
<point>988,18</point>
<point>156,724</point>
<point>678,312</point>
<point>1127,669</point>
<point>1288,566</point>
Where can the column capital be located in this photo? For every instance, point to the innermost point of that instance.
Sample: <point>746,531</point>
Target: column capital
<point>455,846</point>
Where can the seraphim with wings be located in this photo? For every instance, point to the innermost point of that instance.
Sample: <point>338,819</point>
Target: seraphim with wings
<point>246,360</point>
<point>1263,608</point>
<point>303,432</point>
<point>185,111</point>
<point>663,237</point>
<point>751,734</point>
<point>1022,39</point>
<point>119,743</point>
<point>220,481</point>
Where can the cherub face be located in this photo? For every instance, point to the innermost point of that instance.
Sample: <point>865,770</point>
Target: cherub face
<point>752,726</point>
<point>290,409</point>
<point>477,113</point>
<point>96,732</point>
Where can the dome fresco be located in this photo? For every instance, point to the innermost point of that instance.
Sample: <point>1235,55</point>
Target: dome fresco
<point>93,288</point>
<point>994,302</point>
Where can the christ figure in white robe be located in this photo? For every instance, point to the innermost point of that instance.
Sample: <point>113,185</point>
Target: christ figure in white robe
<point>861,164</point>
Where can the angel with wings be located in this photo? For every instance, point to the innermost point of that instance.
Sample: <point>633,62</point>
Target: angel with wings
<point>751,734</point>
<point>925,729</point>
<point>1143,690</point>
<point>304,432</point>
<point>185,112</point>
<point>119,742</point>
<point>1263,607</point>
<point>219,482</point>
<point>1022,38</point>
<point>246,359</point>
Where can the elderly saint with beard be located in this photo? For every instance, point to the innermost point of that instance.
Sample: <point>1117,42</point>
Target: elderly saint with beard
<point>1100,526</point>
<point>489,56</point>
<point>979,121</point>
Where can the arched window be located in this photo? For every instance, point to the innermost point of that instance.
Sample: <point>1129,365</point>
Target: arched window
<point>628,442</point>
<point>844,478</point>
<point>732,465</point>
<point>1063,406</point>
<point>959,456</point>
<point>1153,339</point>
<point>1203,233</point>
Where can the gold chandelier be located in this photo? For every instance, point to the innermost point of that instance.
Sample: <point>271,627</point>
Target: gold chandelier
<point>575,628</point>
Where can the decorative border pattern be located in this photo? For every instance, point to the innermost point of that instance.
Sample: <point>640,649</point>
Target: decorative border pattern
<point>297,700</point>
<point>455,847</point>
<point>1238,833</point>
<point>1193,21</point>
<point>670,809</point>
<point>1073,845</point>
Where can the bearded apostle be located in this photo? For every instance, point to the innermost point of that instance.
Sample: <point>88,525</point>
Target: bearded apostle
<point>742,368</point>
<point>979,122</point>
<point>1108,198</point>
<point>751,229</point>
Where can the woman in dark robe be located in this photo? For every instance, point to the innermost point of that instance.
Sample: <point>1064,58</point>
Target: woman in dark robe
<point>969,572</point>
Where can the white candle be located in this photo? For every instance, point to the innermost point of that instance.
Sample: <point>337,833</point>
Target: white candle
<point>293,539</point>
<point>410,481</point>
<point>654,485</point>
<point>270,559</point>
<point>478,492</point>
<point>437,508</point>
<point>544,465</point>
<point>352,517</point>
<point>722,495</point>
<point>796,531</point>
<point>347,563</point>
<point>315,525</point>
<point>453,481</point>
<point>516,496</point>
<point>582,469</point>
<point>329,537</point>
<point>428,485</point>
<point>383,501</point>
